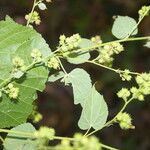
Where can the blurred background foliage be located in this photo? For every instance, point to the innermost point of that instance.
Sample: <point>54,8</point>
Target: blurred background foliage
<point>89,18</point>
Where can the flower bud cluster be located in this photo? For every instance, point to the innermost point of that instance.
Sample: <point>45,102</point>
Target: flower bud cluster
<point>80,143</point>
<point>86,143</point>
<point>53,63</point>
<point>36,116</point>
<point>144,11</point>
<point>65,145</point>
<point>69,43</point>
<point>12,91</point>
<point>18,62</point>
<point>106,53</point>
<point>124,93</point>
<point>19,67</point>
<point>125,121</point>
<point>125,76</point>
<point>34,17</point>
<point>96,39</point>
<point>45,132</point>
<point>143,81</point>
<point>36,55</point>
<point>137,94</point>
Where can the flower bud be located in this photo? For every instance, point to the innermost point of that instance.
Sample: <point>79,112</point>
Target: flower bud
<point>36,55</point>
<point>45,132</point>
<point>124,93</point>
<point>53,63</point>
<point>124,121</point>
<point>18,62</point>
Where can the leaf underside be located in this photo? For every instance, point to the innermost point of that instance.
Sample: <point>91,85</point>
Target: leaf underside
<point>123,26</point>
<point>95,111</point>
<point>147,44</point>
<point>81,83</point>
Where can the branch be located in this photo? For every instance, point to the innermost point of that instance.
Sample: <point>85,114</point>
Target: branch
<point>113,120</point>
<point>111,69</point>
<point>30,16</point>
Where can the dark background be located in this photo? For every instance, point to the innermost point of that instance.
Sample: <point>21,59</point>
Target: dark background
<point>89,18</point>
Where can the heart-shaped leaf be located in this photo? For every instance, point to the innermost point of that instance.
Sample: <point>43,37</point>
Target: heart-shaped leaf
<point>18,40</point>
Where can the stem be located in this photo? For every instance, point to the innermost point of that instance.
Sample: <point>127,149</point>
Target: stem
<point>123,108</point>
<point>120,41</point>
<point>9,79</point>
<point>87,132</point>
<point>64,138</point>
<point>72,139</point>
<point>107,147</point>
<point>62,66</point>
<point>102,145</point>
<point>30,15</point>
<point>113,120</point>
<point>5,82</point>
<point>55,137</point>
<point>138,23</point>
<point>112,69</point>
<point>17,132</point>
<point>30,134</point>
<point>1,139</point>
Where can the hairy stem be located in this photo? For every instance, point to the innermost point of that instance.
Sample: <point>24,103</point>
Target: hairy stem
<point>31,135</point>
<point>138,23</point>
<point>107,147</point>
<point>106,43</point>
<point>17,132</point>
<point>87,132</point>
<point>30,15</point>
<point>9,79</point>
<point>64,138</point>
<point>62,66</point>
<point>1,139</point>
<point>112,69</point>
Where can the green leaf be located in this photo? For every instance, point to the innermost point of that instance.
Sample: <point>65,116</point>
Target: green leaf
<point>123,26</point>
<point>81,57</point>
<point>18,40</point>
<point>95,111</point>
<point>56,76</point>
<point>81,83</point>
<point>147,44</point>
<point>20,142</point>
